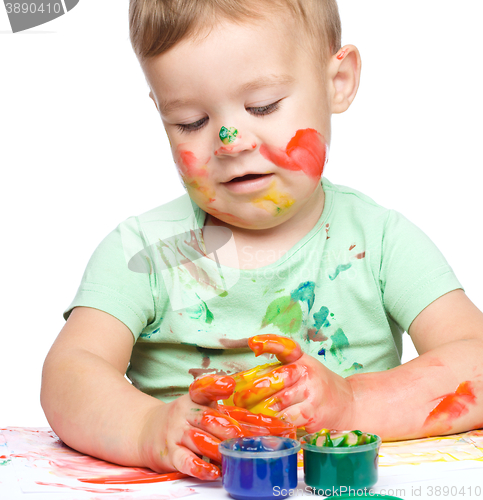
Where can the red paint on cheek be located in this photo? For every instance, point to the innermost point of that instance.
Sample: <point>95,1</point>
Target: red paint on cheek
<point>454,405</point>
<point>305,152</point>
<point>191,166</point>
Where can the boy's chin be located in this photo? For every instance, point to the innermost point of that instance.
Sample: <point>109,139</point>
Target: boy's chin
<point>254,219</point>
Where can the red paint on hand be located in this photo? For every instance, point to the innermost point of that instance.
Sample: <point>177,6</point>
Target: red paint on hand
<point>258,424</point>
<point>305,152</point>
<point>286,350</point>
<point>211,388</point>
<point>205,471</point>
<point>207,445</point>
<point>266,386</point>
<point>453,406</point>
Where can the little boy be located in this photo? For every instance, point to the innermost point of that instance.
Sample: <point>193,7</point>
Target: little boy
<point>261,244</point>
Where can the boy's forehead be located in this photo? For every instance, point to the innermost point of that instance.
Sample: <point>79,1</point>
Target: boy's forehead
<point>260,56</point>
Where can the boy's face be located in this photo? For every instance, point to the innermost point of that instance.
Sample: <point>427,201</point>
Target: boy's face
<point>255,87</point>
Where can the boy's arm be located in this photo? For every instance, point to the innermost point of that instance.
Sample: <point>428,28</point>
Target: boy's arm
<point>441,391</point>
<point>94,409</point>
<point>85,397</point>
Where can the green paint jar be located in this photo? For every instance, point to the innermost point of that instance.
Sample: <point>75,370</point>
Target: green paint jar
<point>336,470</point>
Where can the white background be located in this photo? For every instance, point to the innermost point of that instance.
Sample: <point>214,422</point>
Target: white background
<point>82,148</point>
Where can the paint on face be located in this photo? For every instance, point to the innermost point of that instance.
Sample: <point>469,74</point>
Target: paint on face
<point>452,406</point>
<point>305,152</point>
<point>273,201</point>
<point>228,135</point>
<point>339,343</point>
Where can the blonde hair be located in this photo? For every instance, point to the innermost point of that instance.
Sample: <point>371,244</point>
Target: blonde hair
<point>157,25</point>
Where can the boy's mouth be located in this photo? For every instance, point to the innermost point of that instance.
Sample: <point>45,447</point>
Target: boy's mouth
<point>249,183</point>
<point>247,177</point>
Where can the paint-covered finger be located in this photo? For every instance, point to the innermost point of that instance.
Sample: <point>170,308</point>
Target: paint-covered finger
<point>211,388</point>
<point>218,424</point>
<point>202,443</point>
<point>185,461</point>
<point>267,385</point>
<point>286,350</point>
<point>283,399</point>
<point>258,424</point>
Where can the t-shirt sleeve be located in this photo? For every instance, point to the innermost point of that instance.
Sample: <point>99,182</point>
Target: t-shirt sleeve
<point>110,286</point>
<point>414,273</point>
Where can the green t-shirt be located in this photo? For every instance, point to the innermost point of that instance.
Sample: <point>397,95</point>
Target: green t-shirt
<point>346,292</point>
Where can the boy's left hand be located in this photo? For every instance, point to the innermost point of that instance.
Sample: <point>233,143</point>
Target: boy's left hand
<point>302,391</point>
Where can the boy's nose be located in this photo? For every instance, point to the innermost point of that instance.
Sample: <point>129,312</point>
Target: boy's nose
<point>233,142</point>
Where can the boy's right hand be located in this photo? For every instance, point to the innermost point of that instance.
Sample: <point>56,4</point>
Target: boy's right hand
<point>175,433</point>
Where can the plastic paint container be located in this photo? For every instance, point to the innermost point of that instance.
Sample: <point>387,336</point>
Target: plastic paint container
<point>261,467</point>
<point>335,470</point>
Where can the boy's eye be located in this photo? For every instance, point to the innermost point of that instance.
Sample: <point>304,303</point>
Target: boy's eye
<point>264,110</point>
<point>192,127</point>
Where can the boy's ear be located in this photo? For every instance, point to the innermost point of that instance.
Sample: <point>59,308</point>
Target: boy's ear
<point>344,77</point>
<point>154,100</point>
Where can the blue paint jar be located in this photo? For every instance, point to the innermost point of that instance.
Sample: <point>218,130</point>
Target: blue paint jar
<point>261,467</point>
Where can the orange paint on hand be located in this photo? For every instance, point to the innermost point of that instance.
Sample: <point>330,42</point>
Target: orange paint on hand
<point>206,445</point>
<point>211,388</point>
<point>306,152</point>
<point>286,350</point>
<point>258,424</point>
<point>453,406</point>
<point>265,386</point>
<point>205,471</point>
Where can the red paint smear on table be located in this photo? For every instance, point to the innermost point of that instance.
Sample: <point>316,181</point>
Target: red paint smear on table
<point>305,152</point>
<point>453,406</point>
<point>138,477</point>
<point>90,490</point>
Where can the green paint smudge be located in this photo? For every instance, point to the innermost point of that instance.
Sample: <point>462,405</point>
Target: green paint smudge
<point>305,292</point>
<point>340,269</point>
<point>5,462</point>
<point>224,294</point>
<point>339,343</point>
<point>285,314</point>
<point>356,367</point>
<point>201,311</point>
<point>228,135</point>
<point>321,318</point>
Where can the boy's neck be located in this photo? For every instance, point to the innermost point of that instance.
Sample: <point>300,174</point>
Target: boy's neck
<point>260,247</point>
